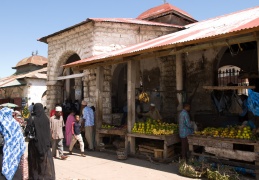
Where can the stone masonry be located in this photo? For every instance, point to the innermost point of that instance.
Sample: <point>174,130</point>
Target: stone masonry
<point>89,39</point>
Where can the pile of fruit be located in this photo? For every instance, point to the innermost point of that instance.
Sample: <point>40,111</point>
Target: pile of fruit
<point>107,126</point>
<point>228,132</point>
<point>155,127</point>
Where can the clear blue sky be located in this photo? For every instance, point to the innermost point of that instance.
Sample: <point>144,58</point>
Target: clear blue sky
<point>23,22</point>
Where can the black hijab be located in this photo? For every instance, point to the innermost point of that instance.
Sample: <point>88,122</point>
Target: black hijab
<point>42,127</point>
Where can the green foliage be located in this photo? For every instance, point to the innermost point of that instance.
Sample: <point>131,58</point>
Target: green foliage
<point>25,112</point>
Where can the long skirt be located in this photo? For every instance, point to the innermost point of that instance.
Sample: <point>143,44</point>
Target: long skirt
<point>41,168</point>
<point>68,138</point>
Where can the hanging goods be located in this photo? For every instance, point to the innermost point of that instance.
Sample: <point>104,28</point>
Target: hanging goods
<point>253,102</point>
<point>143,97</point>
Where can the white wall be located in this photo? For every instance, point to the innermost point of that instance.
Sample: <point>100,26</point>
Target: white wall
<point>35,90</point>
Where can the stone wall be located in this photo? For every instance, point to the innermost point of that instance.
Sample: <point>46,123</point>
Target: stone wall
<point>168,88</point>
<point>75,41</point>
<point>107,104</point>
<point>90,39</point>
<point>112,36</point>
<point>199,71</point>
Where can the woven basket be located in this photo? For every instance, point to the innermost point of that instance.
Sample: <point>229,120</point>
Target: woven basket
<point>121,154</point>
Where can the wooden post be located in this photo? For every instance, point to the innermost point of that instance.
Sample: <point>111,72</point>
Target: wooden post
<point>67,95</point>
<point>99,103</point>
<point>256,150</point>
<point>179,80</point>
<point>131,102</point>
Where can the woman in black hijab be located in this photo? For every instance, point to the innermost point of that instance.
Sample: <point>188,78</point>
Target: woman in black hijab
<point>40,160</point>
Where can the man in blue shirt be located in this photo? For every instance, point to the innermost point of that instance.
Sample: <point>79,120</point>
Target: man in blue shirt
<point>185,128</point>
<point>88,116</point>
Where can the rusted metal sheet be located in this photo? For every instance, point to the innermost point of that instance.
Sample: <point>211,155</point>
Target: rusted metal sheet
<point>202,31</point>
<point>164,8</point>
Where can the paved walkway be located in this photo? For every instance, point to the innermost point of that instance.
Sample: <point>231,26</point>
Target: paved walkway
<point>102,165</point>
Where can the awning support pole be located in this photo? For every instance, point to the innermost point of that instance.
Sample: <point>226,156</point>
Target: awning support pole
<point>179,81</point>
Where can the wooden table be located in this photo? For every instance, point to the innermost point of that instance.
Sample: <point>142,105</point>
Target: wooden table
<point>227,149</point>
<point>168,140</point>
<point>120,132</point>
<point>110,132</point>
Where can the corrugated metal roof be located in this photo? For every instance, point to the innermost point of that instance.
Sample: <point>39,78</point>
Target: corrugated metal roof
<point>161,9</point>
<point>115,20</point>
<point>15,79</point>
<point>215,27</point>
<point>13,83</point>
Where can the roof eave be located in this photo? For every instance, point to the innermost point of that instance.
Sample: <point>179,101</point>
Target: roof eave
<point>44,39</point>
<point>167,46</point>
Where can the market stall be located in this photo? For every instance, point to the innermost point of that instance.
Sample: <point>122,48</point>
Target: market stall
<point>234,146</point>
<point>111,131</point>
<point>168,140</point>
<point>156,130</point>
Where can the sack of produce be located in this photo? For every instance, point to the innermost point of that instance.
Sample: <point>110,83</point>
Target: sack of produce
<point>190,170</point>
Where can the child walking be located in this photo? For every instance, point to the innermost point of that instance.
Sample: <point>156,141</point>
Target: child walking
<point>76,133</point>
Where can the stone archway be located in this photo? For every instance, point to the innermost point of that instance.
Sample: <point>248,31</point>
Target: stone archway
<point>56,89</point>
<point>119,87</point>
<point>71,91</point>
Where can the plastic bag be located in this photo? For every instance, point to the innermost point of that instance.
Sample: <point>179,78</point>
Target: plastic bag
<point>194,125</point>
<point>253,102</point>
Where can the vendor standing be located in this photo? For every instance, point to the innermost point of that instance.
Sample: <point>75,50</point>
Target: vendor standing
<point>153,112</point>
<point>185,128</point>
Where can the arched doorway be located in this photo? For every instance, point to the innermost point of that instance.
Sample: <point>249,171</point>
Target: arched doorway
<point>243,56</point>
<point>44,99</point>
<point>72,88</point>
<point>119,88</point>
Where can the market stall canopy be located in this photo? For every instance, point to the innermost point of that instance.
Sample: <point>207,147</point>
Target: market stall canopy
<point>10,105</point>
<point>219,28</point>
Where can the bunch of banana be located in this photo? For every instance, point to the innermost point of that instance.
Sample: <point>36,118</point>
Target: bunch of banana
<point>143,97</point>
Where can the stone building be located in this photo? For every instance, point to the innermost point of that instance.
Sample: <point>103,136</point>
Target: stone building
<point>191,62</point>
<point>96,36</point>
<point>164,51</point>
<point>27,84</point>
